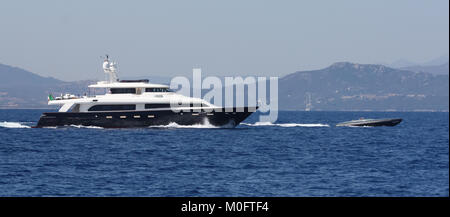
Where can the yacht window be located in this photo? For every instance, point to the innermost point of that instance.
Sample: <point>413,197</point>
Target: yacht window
<point>157,105</point>
<point>198,105</point>
<point>112,107</point>
<point>157,90</point>
<point>123,90</point>
<point>167,105</point>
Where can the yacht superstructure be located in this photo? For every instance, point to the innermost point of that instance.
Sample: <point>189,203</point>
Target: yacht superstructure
<point>137,103</point>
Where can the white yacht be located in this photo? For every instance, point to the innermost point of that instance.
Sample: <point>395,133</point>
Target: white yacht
<point>137,103</point>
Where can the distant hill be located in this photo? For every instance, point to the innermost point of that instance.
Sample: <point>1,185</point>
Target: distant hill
<point>437,61</point>
<point>12,76</point>
<point>23,89</point>
<point>341,86</point>
<point>403,63</point>
<point>351,86</point>
<point>442,69</point>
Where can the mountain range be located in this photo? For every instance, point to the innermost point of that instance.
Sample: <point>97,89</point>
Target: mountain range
<point>352,86</point>
<point>341,86</point>
<point>441,69</point>
<point>23,89</point>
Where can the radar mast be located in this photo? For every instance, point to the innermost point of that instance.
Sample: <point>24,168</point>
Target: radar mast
<point>110,68</point>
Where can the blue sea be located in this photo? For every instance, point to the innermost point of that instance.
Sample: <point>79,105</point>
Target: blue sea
<point>302,154</point>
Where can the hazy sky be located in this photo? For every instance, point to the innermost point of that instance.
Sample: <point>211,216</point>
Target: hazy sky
<point>65,39</point>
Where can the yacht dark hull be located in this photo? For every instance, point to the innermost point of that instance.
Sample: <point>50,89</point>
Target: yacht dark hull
<point>135,119</point>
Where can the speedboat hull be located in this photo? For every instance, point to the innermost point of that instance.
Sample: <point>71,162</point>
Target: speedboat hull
<point>371,122</point>
<point>135,119</point>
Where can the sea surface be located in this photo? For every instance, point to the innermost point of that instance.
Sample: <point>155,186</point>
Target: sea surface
<point>302,154</point>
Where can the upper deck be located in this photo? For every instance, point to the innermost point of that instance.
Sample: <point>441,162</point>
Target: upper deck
<point>126,84</point>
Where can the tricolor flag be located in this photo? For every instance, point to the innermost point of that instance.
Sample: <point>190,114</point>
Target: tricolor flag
<point>50,97</point>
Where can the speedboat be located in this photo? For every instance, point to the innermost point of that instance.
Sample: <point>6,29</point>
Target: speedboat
<point>371,122</point>
<point>137,103</point>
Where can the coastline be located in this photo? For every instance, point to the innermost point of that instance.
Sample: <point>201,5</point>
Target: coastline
<point>387,110</point>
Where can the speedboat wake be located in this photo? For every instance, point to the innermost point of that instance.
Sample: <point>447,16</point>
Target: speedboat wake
<point>258,124</point>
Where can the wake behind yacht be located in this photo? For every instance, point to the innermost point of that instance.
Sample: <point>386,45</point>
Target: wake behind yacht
<point>137,103</point>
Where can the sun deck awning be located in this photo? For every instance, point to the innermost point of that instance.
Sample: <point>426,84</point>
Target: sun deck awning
<point>127,85</point>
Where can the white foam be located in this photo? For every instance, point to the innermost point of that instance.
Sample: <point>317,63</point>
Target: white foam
<point>89,127</point>
<point>13,125</point>
<point>175,125</point>
<point>257,124</point>
<point>204,125</point>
